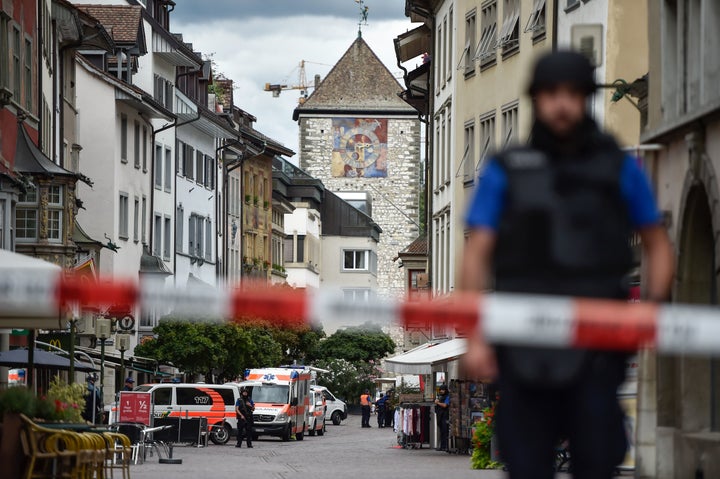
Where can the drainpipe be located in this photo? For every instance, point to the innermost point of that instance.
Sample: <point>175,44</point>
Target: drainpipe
<point>40,39</point>
<point>556,13</point>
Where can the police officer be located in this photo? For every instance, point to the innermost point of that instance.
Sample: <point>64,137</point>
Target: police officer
<point>380,405</point>
<point>244,408</point>
<point>555,217</point>
<point>442,415</point>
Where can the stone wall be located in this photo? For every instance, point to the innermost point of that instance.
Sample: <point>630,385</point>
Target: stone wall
<point>394,198</point>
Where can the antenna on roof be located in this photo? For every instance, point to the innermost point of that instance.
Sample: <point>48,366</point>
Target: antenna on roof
<point>364,11</point>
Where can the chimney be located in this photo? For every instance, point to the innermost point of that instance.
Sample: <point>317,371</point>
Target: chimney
<point>317,81</point>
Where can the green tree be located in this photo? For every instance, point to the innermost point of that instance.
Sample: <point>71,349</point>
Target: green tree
<point>221,351</point>
<point>346,379</point>
<point>298,344</point>
<point>366,343</point>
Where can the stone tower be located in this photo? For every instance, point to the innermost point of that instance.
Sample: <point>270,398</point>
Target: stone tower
<point>363,141</point>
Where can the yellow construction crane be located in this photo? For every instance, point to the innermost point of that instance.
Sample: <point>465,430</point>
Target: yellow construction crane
<point>302,82</point>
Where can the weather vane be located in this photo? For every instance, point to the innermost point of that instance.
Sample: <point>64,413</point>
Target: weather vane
<point>364,11</point>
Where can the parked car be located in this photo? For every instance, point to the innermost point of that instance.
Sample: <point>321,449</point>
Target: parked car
<point>316,416</point>
<point>336,409</point>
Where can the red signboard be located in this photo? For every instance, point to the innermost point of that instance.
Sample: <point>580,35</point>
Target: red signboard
<point>135,407</point>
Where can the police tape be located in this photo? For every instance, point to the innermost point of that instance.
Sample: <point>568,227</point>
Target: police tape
<point>520,319</point>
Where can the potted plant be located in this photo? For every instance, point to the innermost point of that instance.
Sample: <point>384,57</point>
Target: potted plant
<point>256,200</point>
<point>482,440</point>
<point>266,264</point>
<point>247,199</point>
<point>266,204</point>
<point>13,402</point>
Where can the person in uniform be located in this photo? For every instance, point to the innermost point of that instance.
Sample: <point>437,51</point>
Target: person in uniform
<point>555,217</point>
<point>365,403</point>
<point>244,408</point>
<point>442,416</point>
<point>129,384</point>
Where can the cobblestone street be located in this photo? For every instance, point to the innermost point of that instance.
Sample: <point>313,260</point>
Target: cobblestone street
<point>346,451</point>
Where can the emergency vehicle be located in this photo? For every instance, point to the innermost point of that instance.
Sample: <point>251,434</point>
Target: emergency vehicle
<point>215,402</point>
<point>316,420</point>
<point>282,400</point>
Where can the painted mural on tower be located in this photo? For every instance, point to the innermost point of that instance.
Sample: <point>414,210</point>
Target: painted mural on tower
<point>359,148</point>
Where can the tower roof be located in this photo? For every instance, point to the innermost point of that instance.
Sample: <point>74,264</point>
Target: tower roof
<point>358,83</point>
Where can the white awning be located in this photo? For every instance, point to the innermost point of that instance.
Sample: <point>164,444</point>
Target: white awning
<point>421,360</point>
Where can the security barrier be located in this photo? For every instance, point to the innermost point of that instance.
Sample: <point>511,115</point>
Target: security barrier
<point>501,318</point>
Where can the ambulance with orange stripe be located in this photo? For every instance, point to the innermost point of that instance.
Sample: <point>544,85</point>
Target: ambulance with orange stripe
<point>282,400</point>
<point>216,402</point>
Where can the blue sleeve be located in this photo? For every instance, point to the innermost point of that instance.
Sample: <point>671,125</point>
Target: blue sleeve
<point>447,400</point>
<point>638,195</point>
<point>488,201</point>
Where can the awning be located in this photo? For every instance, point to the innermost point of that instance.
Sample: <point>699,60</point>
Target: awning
<point>18,358</point>
<point>413,43</point>
<point>421,360</point>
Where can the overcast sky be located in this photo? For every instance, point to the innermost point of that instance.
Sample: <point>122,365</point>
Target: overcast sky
<point>255,42</point>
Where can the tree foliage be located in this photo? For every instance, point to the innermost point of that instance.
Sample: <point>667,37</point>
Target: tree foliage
<point>367,343</point>
<point>348,380</point>
<point>219,351</point>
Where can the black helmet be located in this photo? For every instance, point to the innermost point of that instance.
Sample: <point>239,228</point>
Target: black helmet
<point>443,387</point>
<point>553,69</point>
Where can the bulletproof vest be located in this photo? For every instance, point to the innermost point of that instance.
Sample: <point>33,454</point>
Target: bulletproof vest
<point>565,230</point>
<point>565,227</point>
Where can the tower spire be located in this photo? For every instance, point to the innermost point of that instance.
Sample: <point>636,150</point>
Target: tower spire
<point>364,11</point>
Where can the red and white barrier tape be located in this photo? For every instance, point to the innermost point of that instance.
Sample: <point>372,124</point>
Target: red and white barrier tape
<point>500,318</point>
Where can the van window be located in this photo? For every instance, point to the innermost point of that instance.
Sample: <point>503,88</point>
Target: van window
<point>192,397</point>
<point>227,395</point>
<point>328,396</point>
<point>162,396</point>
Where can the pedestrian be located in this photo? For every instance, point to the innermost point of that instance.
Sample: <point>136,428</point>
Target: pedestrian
<point>129,384</point>
<point>93,401</point>
<point>244,407</point>
<point>365,403</point>
<point>442,416</point>
<point>555,218</point>
<point>380,410</point>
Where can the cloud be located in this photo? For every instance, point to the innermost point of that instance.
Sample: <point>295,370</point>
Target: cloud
<point>258,50</point>
<point>204,10</point>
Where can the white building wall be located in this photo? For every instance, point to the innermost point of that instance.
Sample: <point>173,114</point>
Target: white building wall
<point>304,221</point>
<point>335,276</point>
<point>589,13</point>
<point>196,199</point>
<point>443,180</point>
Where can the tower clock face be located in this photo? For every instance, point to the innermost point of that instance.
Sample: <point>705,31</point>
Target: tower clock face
<point>360,148</point>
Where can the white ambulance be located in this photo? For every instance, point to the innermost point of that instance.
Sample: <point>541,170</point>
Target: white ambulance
<point>282,401</point>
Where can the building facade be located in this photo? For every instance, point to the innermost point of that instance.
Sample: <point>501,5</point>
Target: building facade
<point>608,32</point>
<point>358,136</point>
<point>679,406</point>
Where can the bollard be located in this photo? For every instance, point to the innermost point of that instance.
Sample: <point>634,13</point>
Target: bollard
<point>169,459</point>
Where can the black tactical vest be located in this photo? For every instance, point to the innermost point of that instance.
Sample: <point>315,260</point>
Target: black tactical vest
<point>565,230</point>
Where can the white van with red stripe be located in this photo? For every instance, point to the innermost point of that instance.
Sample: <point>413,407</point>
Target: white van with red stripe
<point>216,402</point>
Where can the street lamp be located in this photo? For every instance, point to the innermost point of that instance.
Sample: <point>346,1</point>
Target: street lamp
<point>122,343</point>
<point>103,330</point>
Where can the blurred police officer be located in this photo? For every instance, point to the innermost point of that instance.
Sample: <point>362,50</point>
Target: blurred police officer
<point>555,217</point>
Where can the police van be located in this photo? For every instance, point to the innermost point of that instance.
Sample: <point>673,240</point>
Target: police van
<point>216,402</point>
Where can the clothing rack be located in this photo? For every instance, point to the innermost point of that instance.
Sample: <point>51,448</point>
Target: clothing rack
<point>412,424</point>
